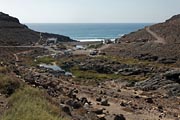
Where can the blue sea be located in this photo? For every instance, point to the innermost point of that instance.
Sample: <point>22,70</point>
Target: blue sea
<point>88,31</point>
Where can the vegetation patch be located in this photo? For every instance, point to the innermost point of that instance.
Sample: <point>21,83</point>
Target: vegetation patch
<point>133,61</point>
<point>8,84</point>
<point>95,46</point>
<point>3,69</point>
<point>31,61</point>
<point>46,60</point>
<point>91,77</point>
<point>31,104</point>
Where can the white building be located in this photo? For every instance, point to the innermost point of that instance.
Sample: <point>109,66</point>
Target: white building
<point>51,41</point>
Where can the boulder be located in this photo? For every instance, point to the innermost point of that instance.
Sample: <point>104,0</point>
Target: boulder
<point>167,60</point>
<point>123,104</point>
<point>130,71</point>
<point>173,75</point>
<point>74,104</point>
<point>149,100</point>
<point>101,117</point>
<point>84,100</point>
<point>119,117</point>
<point>86,106</point>
<point>147,57</point>
<point>98,99</point>
<point>105,102</point>
<point>66,109</point>
<point>98,110</point>
<point>152,83</point>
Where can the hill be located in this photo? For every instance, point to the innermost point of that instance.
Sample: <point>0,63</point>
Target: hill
<point>160,41</point>
<point>12,32</point>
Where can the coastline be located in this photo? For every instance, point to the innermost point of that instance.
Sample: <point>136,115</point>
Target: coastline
<point>95,40</point>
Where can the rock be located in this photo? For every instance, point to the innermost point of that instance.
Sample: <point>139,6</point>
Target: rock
<point>68,74</point>
<point>100,68</point>
<point>74,104</point>
<point>123,104</point>
<point>116,96</point>
<point>98,99</point>
<point>160,108</point>
<point>173,89</point>
<point>119,117</point>
<point>137,97</point>
<point>102,53</point>
<point>86,106</point>
<point>66,109</point>
<point>167,60</point>
<point>101,117</point>
<point>52,84</point>
<point>98,110</point>
<point>84,100</point>
<point>173,75</point>
<point>147,57</point>
<point>130,71</point>
<point>149,100</point>
<point>71,94</point>
<point>102,92</point>
<point>69,102</point>
<point>105,102</point>
<point>119,90</point>
<point>52,92</point>
<point>130,84</point>
<point>76,91</point>
<point>152,83</point>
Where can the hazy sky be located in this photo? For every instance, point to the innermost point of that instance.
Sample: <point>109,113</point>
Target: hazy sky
<point>90,11</point>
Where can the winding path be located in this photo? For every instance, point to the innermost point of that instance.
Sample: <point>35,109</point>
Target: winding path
<point>158,38</point>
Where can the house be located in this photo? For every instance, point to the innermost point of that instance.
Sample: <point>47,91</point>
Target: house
<point>51,41</point>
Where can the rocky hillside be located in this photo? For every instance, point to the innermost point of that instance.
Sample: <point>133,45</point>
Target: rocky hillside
<point>159,41</point>
<point>12,32</point>
<point>169,30</point>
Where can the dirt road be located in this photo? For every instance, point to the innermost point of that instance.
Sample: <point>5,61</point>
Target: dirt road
<point>158,38</point>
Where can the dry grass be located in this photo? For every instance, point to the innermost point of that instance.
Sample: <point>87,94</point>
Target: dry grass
<point>31,104</point>
<point>8,84</point>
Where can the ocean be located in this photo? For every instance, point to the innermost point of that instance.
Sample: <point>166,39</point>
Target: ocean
<point>88,31</point>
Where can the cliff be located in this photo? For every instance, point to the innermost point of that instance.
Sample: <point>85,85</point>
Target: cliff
<point>12,32</point>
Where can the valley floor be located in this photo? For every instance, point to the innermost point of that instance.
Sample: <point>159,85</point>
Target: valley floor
<point>101,87</point>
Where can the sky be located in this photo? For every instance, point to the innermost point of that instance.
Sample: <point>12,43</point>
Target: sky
<point>91,11</point>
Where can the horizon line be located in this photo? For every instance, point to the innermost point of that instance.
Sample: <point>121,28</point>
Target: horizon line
<point>89,23</point>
